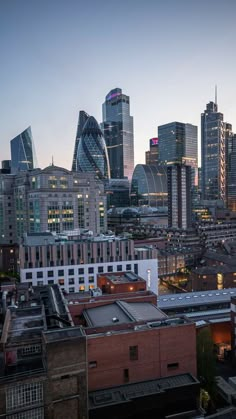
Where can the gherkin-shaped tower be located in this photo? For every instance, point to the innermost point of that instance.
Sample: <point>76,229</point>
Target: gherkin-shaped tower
<point>92,151</point>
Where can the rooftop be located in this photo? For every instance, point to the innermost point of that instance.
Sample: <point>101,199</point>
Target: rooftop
<point>125,393</point>
<point>121,312</point>
<point>122,277</point>
<point>63,334</point>
<point>195,298</point>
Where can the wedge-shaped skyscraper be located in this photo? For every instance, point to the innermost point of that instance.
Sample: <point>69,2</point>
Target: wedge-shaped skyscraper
<point>23,155</point>
<point>92,151</point>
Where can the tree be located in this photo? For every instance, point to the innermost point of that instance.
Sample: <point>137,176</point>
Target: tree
<point>206,360</point>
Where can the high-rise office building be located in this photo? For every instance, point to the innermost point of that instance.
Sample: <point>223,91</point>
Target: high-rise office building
<point>92,152</point>
<point>231,170</point>
<point>179,180</point>
<point>23,155</point>
<point>83,116</point>
<point>152,154</point>
<point>177,143</point>
<point>118,132</point>
<point>213,153</point>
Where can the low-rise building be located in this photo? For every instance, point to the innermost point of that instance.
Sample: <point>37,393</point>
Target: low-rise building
<point>43,370</point>
<point>74,263</point>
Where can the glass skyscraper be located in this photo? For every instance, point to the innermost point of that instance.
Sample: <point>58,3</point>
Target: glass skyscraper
<point>177,143</point>
<point>118,132</point>
<point>92,152</point>
<point>23,155</point>
<point>213,153</point>
<point>83,116</point>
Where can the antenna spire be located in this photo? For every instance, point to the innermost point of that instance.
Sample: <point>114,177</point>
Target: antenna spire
<point>216,94</point>
<point>52,161</point>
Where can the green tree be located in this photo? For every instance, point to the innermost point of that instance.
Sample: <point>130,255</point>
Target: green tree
<point>206,360</point>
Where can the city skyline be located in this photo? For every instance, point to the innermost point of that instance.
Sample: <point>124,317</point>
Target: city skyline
<point>58,60</point>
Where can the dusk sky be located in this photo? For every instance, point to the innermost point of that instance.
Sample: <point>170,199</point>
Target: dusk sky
<point>62,56</point>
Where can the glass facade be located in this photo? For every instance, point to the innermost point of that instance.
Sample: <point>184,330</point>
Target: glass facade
<point>23,155</point>
<point>92,151</point>
<point>118,132</point>
<point>231,171</point>
<point>177,143</point>
<point>149,186</point>
<point>83,117</point>
<point>213,153</point>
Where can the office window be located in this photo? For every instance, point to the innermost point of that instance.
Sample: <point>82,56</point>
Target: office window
<point>119,268</point>
<point>128,267</point>
<point>91,279</point>
<point>110,268</point>
<point>90,270</point>
<point>50,281</point>
<point>100,269</point>
<point>71,289</point>
<point>39,283</point>
<point>133,353</point>
<point>50,274</point>
<point>81,280</point>
<point>61,272</point>
<point>40,274</point>
<point>24,395</point>
<point>81,271</point>
<point>71,272</point>
<point>28,275</point>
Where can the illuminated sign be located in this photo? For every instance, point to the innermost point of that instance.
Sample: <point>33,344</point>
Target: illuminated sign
<point>113,95</point>
<point>154,141</point>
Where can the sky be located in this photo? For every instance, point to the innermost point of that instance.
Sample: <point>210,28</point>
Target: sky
<point>58,57</point>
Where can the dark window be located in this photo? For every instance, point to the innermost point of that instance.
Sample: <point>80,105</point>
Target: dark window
<point>71,289</point>
<point>50,282</point>
<point>119,268</point>
<point>93,364</point>
<point>40,274</point>
<point>136,268</point>
<point>61,272</point>
<point>81,271</point>
<point>91,279</point>
<point>50,274</point>
<point>81,280</point>
<point>71,271</point>
<point>128,267</point>
<point>71,281</point>
<point>90,270</point>
<point>110,268</point>
<point>28,275</point>
<point>133,353</point>
<point>173,366</point>
<point>100,269</point>
<point>126,375</point>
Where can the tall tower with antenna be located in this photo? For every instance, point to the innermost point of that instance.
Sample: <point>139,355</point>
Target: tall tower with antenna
<point>213,132</point>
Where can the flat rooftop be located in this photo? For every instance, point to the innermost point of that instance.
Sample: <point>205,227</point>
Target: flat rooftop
<point>168,301</point>
<point>63,334</point>
<point>121,312</point>
<point>128,392</point>
<point>123,277</point>
<point>25,324</point>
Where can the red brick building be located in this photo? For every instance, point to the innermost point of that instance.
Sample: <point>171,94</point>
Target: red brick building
<point>134,342</point>
<point>113,283</point>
